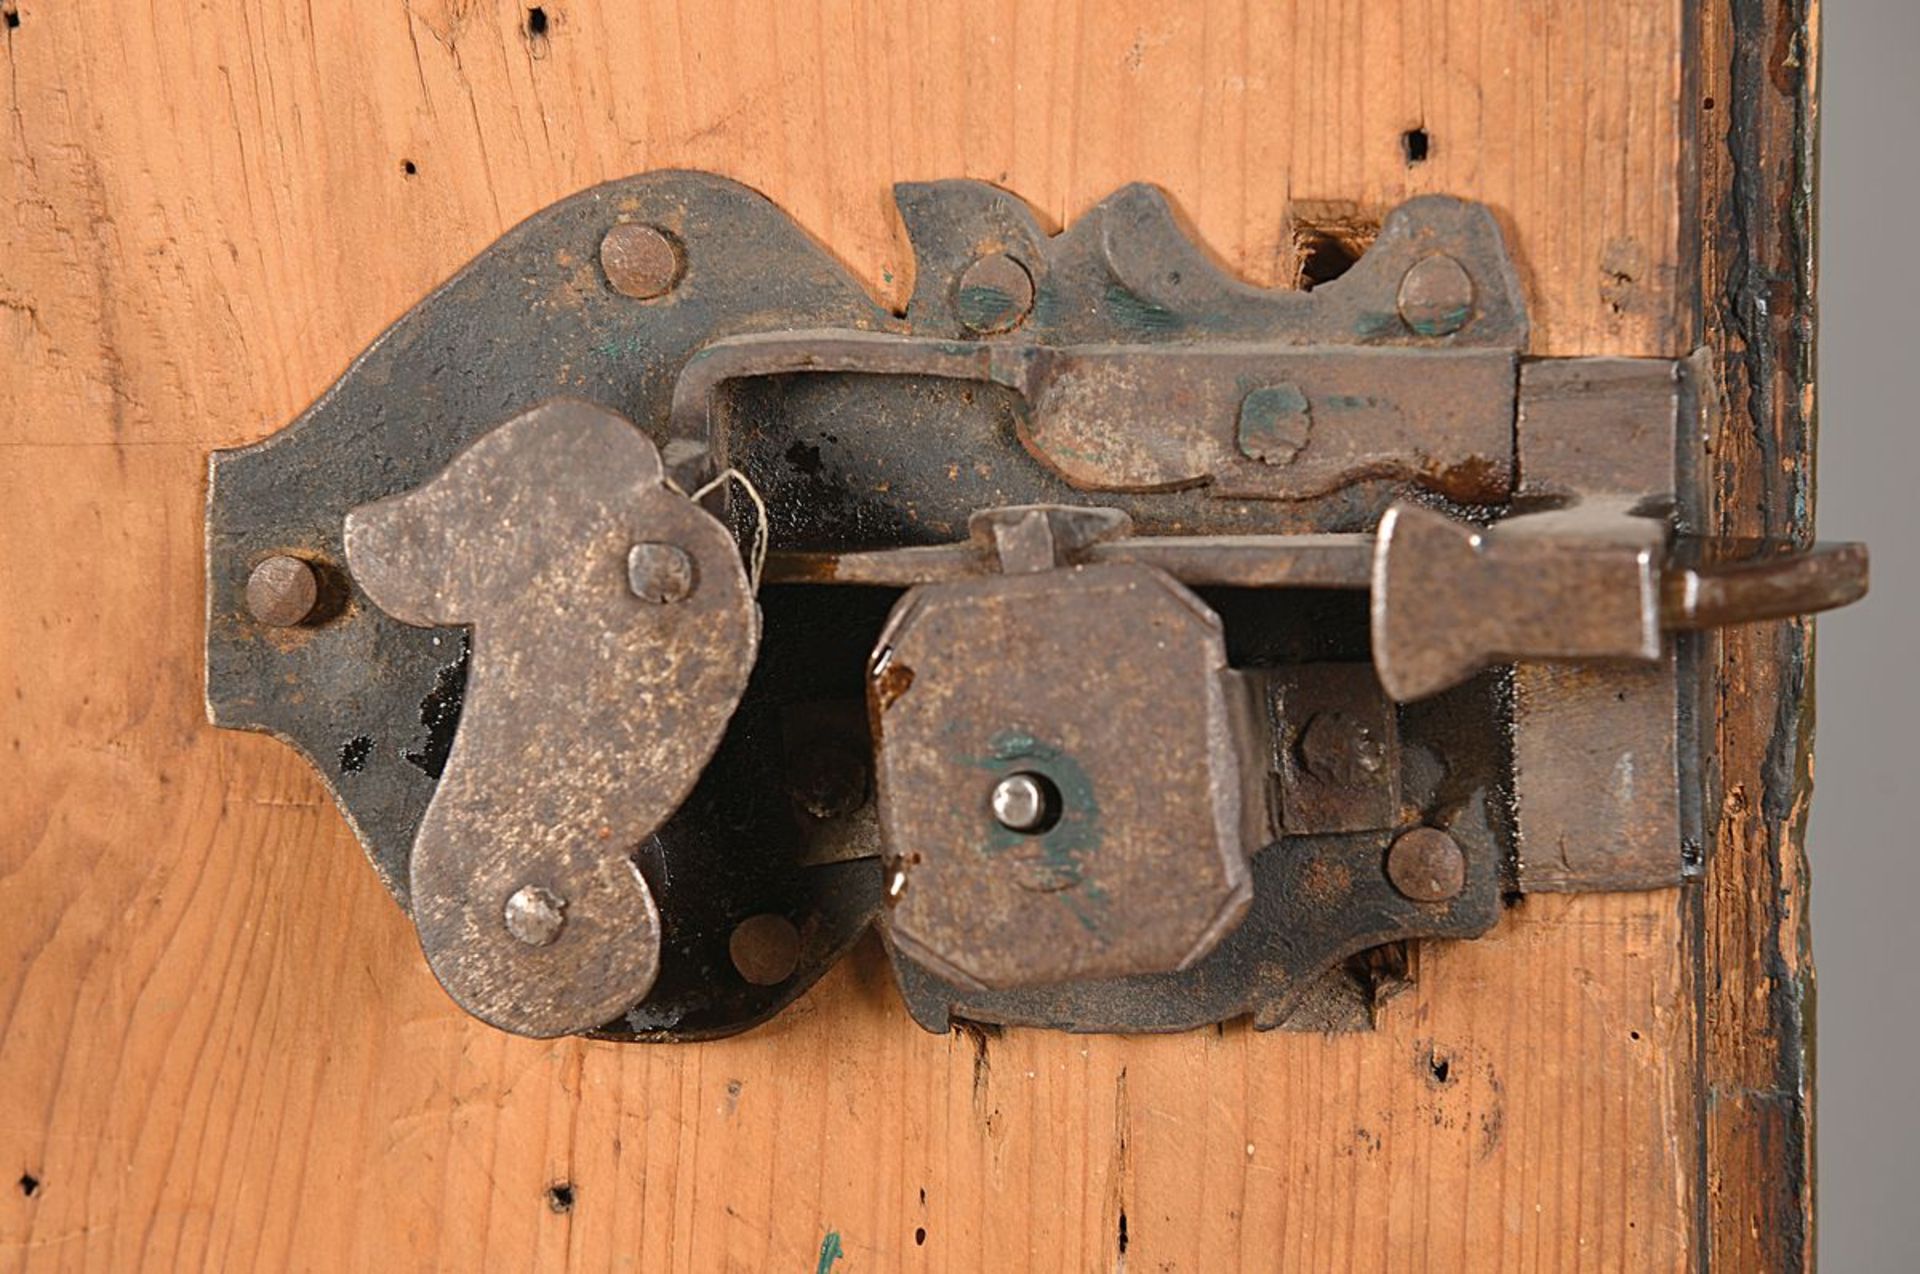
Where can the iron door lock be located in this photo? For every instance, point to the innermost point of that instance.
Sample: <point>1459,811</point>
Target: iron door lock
<point>1137,648</point>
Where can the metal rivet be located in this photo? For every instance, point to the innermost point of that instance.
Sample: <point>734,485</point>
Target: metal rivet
<point>1426,865</point>
<point>282,591</point>
<point>640,261</point>
<point>659,573</point>
<point>765,949</point>
<point>536,916</point>
<point>995,294</point>
<point>829,781</point>
<point>1026,803</point>
<point>1436,296</point>
<point>1338,749</point>
<point>1274,424</point>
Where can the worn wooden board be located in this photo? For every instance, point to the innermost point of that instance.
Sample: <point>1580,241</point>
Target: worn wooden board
<point>218,1042</point>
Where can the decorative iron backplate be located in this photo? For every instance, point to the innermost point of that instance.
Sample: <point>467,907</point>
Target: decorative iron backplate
<point>1249,442</point>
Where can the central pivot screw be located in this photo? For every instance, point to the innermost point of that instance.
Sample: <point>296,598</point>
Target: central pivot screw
<point>535,915</point>
<point>1026,803</point>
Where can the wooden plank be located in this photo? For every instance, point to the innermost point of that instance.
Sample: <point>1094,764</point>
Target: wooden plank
<point>1757,101</point>
<point>219,1043</point>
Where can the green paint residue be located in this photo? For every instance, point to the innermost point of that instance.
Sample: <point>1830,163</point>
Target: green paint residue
<point>1445,323</point>
<point>985,308</point>
<point>1056,861</point>
<point>1134,311</point>
<point>830,1251</point>
<point>620,347</point>
<point>1372,325</point>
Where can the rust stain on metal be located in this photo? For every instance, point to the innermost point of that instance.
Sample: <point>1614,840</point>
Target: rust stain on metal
<point>1336,741</point>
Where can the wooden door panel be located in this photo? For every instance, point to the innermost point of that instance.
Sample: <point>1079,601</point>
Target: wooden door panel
<point>220,1044</point>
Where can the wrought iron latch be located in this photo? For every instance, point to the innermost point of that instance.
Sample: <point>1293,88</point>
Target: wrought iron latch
<point>1137,648</point>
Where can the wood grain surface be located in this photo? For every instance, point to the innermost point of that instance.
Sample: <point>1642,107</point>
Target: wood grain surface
<point>219,1045</point>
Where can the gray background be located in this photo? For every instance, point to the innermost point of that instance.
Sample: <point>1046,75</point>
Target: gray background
<point>1866,874</point>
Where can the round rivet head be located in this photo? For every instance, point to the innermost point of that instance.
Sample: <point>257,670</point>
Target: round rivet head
<point>282,591</point>
<point>1436,296</point>
<point>765,949</point>
<point>829,782</point>
<point>659,573</point>
<point>1426,865</point>
<point>536,916</point>
<point>1338,749</point>
<point>994,295</point>
<point>640,261</point>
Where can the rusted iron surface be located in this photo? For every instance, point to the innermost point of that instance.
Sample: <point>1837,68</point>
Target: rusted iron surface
<point>1317,900</point>
<point>590,709</point>
<point>1597,750</point>
<point>1149,418</point>
<point>1240,440</point>
<point>1596,777</point>
<point>1719,583</point>
<point>1336,745</point>
<point>374,704</point>
<point>1105,688</point>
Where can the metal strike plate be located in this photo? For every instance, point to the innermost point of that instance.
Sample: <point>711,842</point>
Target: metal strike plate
<point>1135,647</point>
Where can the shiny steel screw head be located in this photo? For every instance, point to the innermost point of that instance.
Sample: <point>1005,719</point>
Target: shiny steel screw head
<point>1025,803</point>
<point>536,916</point>
<point>640,261</point>
<point>282,591</point>
<point>1427,865</point>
